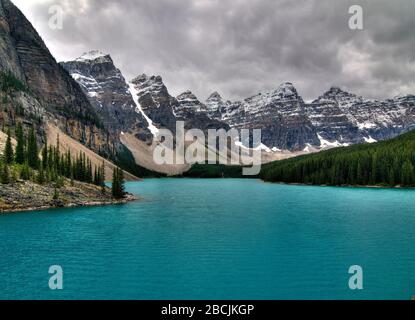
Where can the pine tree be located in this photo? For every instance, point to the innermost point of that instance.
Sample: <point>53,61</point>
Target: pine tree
<point>114,187</point>
<point>45,155</point>
<point>50,158</point>
<point>58,144</point>
<point>102,177</point>
<point>20,154</point>
<point>96,177</point>
<point>8,150</point>
<point>89,178</point>
<point>41,176</point>
<point>32,151</point>
<point>407,178</point>
<point>118,189</point>
<point>25,172</point>
<point>391,177</point>
<point>122,183</point>
<point>5,174</point>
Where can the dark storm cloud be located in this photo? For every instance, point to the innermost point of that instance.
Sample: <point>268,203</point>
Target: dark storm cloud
<point>241,47</point>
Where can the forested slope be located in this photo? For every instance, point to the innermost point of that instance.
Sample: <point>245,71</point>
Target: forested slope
<point>387,163</point>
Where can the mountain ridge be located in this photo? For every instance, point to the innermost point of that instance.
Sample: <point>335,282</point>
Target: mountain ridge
<point>336,118</point>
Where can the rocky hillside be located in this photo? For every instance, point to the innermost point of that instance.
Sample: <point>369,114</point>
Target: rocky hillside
<point>68,144</point>
<point>108,92</point>
<point>141,106</point>
<point>195,114</point>
<point>52,95</point>
<point>280,114</point>
<point>164,110</point>
<point>370,119</point>
<point>154,102</point>
<point>26,56</point>
<point>337,118</point>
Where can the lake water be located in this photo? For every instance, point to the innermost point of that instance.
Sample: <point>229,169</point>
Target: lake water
<point>216,239</point>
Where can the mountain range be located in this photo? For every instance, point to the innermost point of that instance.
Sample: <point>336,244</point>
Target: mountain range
<point>336,118</point>
<point>89,100</point>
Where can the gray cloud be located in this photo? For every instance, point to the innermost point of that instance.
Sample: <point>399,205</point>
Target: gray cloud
<point>241,47</point>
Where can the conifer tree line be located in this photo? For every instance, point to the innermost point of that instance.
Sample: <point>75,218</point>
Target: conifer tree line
<point>118,190</point>
<point>387,163</point>
<point>49,164</point>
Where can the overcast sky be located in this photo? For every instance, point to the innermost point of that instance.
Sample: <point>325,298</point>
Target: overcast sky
<point>241,47</point>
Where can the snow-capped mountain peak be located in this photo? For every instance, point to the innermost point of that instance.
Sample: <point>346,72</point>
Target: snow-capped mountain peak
<point>188,101</point>
<point>93,55</point>
<point>187,96</point>
<point>214,96</point>
<point>338,95</point>
<point>108,91</point>
<point>286,90</point>
<point>151,86</point>
<point>217,107</point>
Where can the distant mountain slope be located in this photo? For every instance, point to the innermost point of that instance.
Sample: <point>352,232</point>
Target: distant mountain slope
<point>386,163</point>
<point>108,92</point>
<point>143,155</point>
<point>280,114</point>
<point>75,147</point>
<point>337,118</point>
<point>164,110</point>
<point>194,113</point>
<point>340,115</point>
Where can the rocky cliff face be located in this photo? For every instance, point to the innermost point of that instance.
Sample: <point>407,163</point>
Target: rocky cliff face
<point>109,93</point>
<point>337,118</point>
<point>331,120</point>
<point>154,102</point>
<point>280,114</point>
<point>24,54</point>
<point>358,120</point>
<point>217,107</point>
<point>188,105</point>
<point>9,59</point>
<point>164,110</point>
<point>195,113</point>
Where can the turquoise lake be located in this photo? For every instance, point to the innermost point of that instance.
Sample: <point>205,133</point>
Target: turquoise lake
<point>216,239</point>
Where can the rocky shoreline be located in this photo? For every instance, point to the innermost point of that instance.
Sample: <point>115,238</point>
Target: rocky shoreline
<point>28,196</point>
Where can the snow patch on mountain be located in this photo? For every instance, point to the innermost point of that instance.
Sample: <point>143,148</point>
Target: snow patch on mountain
<point>366,125</point>
<point>308,148</point>
<point>261,147</point>
<point>90,85</point>
<point>327,144</point>
<point>370,140</point>
<point>135,94</point>
<point>91,55</point>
